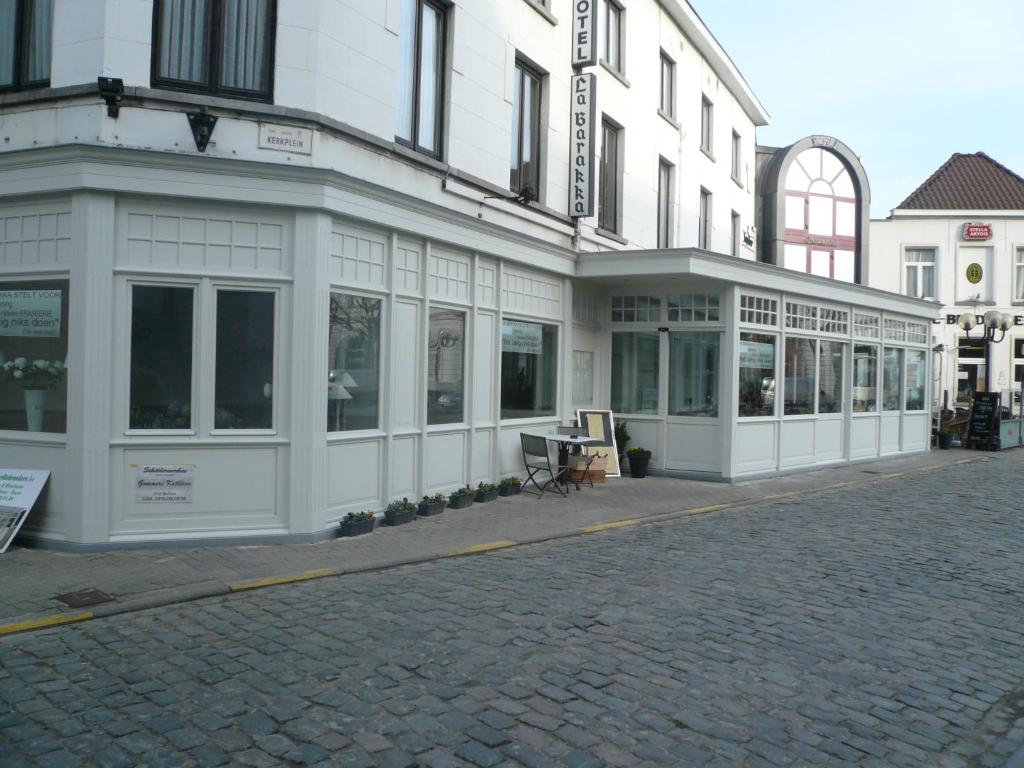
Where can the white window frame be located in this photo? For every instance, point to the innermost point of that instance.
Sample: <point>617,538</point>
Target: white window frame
<point>667,90</point>
<point>1018,274</point>
<point>707,126</point>
<point>918,267</point>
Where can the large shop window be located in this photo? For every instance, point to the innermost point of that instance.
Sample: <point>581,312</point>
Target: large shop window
<point>693,374</point>
<point>757,374</point>
<point>892,379</point>
<point>801,378</point>
<point>353,363</point>
<point>446,367</point>
<point>33,354</point>
<point>421,76</point>
<point>529,366</point>
<point>224,47</point>
<point>244,373</point>
<point>26,32</point>
<point>915,386</point>
<point>635,372</point>
<point>526,131</point>
<point>161,357</point>
<point>831,365</point>
<point>865,378</point>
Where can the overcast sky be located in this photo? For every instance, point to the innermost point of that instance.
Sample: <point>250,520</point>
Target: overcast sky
<point>904,83</point>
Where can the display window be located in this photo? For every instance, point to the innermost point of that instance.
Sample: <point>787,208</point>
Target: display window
<point>801,376</point>
<point>914,390</point>
<point>635,372</point>
<point>757,374</point>
<point>529,369</point>
<point>865,378</point>
<point>693,371</point>
<point>446,367</point>
<point>831,367</point>
<point>33,355</point>
<point>353,363</point>
<point>163,318</point>
<point>244,369</point>
<point>892,378</point>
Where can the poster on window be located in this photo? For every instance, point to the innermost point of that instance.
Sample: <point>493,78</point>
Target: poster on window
<point>19,489</point>
<point>757,355</point>
<point>30,313</point>
<point>522,338</point>
<point>164,483</point>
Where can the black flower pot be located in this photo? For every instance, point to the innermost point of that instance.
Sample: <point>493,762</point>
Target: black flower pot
<point>945,440</point>
<point>400,518</point>
<point>460,502</point>
<point>638,465</point>
<point>348,528</point>
<point>482,497</point>
<point>433,508</point>
<point>509,490</point>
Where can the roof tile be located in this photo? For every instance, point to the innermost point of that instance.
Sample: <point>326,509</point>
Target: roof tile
<point>969,183</point>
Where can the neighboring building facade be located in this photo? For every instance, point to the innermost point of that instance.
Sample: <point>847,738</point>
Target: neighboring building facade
<point>959,239</point>
<point>308,256</point>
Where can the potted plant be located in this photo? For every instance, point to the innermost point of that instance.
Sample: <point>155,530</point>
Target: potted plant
<point>432,505</point>
<point>621,439</point>
<point>945,439</point>
<point>510,486</point>
<point>639,458</point>
<point>400,512</point>
<point>461,498</point>
<point>356,524</point>
<point>34,377</point>
<point>486,492</point>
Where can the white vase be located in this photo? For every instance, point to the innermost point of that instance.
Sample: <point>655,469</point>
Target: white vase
<point>35,406</point>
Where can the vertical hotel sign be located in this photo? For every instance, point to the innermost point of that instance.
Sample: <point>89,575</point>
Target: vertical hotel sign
<point>584,109</point>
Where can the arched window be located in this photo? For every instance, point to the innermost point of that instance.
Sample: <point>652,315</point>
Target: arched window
<point>821,216</point>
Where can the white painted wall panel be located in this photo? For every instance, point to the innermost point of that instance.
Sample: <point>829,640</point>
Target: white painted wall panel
<point>755,447</point>
<point>483,443</point>
<point>355,475</point>
<point>532,293</point>
<point>484,354</point>
<point>694,447</point>
<point>358,256</point>
<point>828,439</point>
<point>444,461</point>
<point>408,267</point>
<point>486,279</point>
<point>449,275</point>
<point>864,437</point>
<point>797,443</point>
<point>916,431</point>
<point>236,489</point>
<point>889,436</point>
<point>403,468</point>
<point>405,402</point>
<point>35,236</point>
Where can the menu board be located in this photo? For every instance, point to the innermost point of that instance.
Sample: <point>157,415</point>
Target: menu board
<point>983,428</point>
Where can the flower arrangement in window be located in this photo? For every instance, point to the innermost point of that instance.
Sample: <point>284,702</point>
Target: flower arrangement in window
<point>33,374</point>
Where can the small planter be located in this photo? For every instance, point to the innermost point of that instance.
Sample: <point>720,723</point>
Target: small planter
<point>482,497</point>
<point>460,502</point>
<point>400,518</point>
<point>638,462</point>
<point>945,440</point>
<point>433,508</point>
<point>350,528</point>
<point>509,490</point>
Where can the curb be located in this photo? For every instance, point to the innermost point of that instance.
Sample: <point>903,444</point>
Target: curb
<point>191,594</point>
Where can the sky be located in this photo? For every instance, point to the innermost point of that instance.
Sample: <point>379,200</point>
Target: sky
<point>903,83</point>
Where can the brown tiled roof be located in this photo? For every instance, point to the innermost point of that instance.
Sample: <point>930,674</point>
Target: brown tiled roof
<point>969,183</point>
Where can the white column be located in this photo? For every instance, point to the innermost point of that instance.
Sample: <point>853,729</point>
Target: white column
<point>90,326</point>
<point>307,358</point>
<point>729,385</point>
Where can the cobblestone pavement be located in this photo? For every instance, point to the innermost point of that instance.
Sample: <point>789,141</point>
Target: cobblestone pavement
<point>872,627</point>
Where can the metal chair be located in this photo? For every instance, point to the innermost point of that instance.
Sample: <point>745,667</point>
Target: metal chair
<point>580,453</point>
<point>537,460</point>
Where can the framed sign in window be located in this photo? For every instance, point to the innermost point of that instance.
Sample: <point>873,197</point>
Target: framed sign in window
<point>600,425</point>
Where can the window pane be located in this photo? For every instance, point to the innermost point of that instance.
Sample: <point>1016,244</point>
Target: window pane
<point>892,378</point>
<point>8,34</point>
<point>529,368</point>
<point>912,280</point>
<point>915,379</point>
<point>664,197</point>
<point>830,377</point>
<point>927,281</point>
<point>613,36</point>
<point>635,372</point>
<point>244,370</point>
<point>429,78</point>
<point>582,377</point>
<point>1020,276</point>
<point>757,375</point>
<point>406,75</point>
<point>800,376</point>
<point>33,355</point>
<point>607,211</point>
<point>244,55</point>
<point>161,358</point>
<point>517,116</point>
<point>445,366</point>
<point>39,36</point>
<point>182,27</point>
<point>693,374</point>
<point>865,378</point>
<point>353,363</point>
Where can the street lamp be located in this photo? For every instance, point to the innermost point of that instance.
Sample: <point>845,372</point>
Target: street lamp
<point>992,322</point>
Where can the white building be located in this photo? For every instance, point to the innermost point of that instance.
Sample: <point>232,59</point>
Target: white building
<point>319,254</point>
<point>959,239</point>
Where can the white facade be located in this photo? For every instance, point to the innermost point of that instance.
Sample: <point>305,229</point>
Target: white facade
<point>247,246</point>
<point>909,242</point>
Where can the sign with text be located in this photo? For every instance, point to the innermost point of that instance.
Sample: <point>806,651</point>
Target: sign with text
<point>164,483</point>
<point>581,149</point>
<point>977,231</point>
<point>600,426</point>
<point>19,489</point>
<point>757,355</point>
<point>584,33</point>
<point>285,138</point>
<point>983,427</point>
<point>30,313</point>
<point>980,319</point>
<point>521,338</point>
<point>975,273</point>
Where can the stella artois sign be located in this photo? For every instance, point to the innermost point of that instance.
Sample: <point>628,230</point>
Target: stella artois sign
<point>977,231</point>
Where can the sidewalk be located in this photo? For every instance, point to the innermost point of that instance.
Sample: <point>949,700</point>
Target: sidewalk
<point>138,579</point>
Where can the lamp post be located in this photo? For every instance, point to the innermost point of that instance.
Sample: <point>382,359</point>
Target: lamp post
<point>993,321</point>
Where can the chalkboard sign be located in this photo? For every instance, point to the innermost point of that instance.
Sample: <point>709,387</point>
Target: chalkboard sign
<point>983,429</point>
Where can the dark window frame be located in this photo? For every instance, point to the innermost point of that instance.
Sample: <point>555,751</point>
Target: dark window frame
<point>737,234</point>
<point>707,126</point>
<point>20,52</point>
<point>618,63</point>
<point>668,66</point>
<point>414,143</point>
<point>524,70</point>
<point>666,178</point>
<point>737,157</point>
<point>608,209</point>
<point>213,53</point>
<point>706,211</point>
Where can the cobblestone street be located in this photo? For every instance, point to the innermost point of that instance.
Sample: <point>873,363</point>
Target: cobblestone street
<point>874,626</point>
